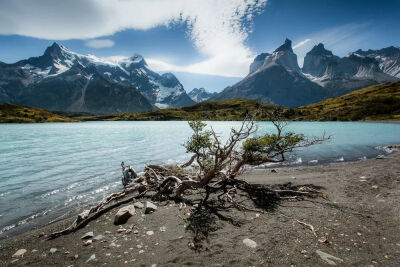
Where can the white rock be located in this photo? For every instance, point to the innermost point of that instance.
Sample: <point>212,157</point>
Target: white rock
<point>149,207</point>
<point>138,205</point>
<point>53,250</point>
<point>88,235</point>
<point>328,258</point>
<point>20,252</point>
<point>163,229</point>
<point>149,233</point>
<point>124,214</point>
<point>93,257</point>
<point>250,243</point>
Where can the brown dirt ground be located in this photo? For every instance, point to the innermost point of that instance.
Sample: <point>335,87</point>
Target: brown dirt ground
<point>359,223</point>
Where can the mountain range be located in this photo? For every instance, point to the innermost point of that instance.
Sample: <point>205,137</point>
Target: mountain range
<point>277,78</point>
<point>63,80</point>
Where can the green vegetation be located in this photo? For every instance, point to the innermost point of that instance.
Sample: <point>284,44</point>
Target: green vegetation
<point>378,102</point>
<point>22,114</point>
<point>215,111</point>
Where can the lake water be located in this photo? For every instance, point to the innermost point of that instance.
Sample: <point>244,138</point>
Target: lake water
<point>48,170</point>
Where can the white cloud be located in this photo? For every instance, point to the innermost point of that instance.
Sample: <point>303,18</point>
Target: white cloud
<point>300,44</point>
<point>99,43</point>
<point>340,40</point>
<point>218,28</point>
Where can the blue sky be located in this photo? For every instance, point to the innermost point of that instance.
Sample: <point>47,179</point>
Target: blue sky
<point>208,43</point>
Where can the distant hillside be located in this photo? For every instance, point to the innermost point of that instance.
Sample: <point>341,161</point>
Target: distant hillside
<point>219,111</point>
<point>19,114</point>
<point>378,102</point>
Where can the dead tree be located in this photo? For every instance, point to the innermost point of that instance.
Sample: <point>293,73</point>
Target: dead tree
<point>214,166</point>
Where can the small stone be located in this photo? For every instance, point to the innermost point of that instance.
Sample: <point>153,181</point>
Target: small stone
<point>124,214</point>
<point>88,242</point>
<point>20,252</point>
<point>128,231</point>
<point>303,251</point>
<point>88,235</point>
<point>250,243</point>
<point>76,256</point>
<point>149,233</point>
<point>135,232</point>
<point>153,265</point>
<point>53,250</point>
<point>67,252</point>
<point>163,229</point>
<point>138,205</point>
<point>34,250</point>
<point>149,207</point>
<point>359,234</point>
<point>92,258</point>
<point>139,246</point>
<point>323,240</point>
<point>328,258</point>
<point>374,187</point>
<point>274,171</point>
<point>108,254</point>
<point>141,251</point>
<point>98,237</point>
<point>120,230</point>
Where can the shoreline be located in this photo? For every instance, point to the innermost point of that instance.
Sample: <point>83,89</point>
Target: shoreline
<point>360,225</point>
<point>71,214</point>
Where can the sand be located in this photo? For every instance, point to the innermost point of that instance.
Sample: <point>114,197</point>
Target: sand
<point>357,226</point>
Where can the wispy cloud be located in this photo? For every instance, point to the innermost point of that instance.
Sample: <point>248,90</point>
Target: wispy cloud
<point>341,40</point>
<point>218,29</point>
<point>300,44</point>
<point>99,43</point>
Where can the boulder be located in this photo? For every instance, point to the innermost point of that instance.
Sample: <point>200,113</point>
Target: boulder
<point>124,214</point>
<point>149,207</point>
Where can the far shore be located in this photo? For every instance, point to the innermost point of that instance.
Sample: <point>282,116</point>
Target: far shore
<point>357,224</point>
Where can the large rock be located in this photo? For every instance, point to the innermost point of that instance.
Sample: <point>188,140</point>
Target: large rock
<point>149,207</point>
<point>124,214</point>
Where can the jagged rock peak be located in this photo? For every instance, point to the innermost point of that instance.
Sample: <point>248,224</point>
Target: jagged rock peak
<point>320,50</point>
<point>138,59</point>
<point>287,46</point>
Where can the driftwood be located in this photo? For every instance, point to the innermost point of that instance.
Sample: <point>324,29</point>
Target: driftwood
<point>213,168</point>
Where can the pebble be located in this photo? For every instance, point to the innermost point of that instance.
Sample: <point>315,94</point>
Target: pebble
<point>34,250</point>
<point>141,251</point>
<point>88,235</point>
<point>76,256</point>
<point>135,232</point>
<point>328,258</point>
<point>374,187</point>
<point>93,257</point>
<point>53,250</point>
<point>121,230</point>
<point>250,243</point>
<point>163,229</point>
<point>20,252</point>
<point>149,233</point>
<point>98,237</point>
<point>88,242</point>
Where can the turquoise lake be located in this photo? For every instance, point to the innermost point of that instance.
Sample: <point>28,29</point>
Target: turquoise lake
<point>50,170</point>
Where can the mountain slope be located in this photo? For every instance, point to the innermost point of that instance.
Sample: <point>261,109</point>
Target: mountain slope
<point>200,94</point>
<point>388,58</point>
<point>276,78</point>
<point>372,103</point>
<point>342,75</point>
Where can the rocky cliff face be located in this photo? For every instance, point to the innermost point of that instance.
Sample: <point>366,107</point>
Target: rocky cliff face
<point>276,78</point>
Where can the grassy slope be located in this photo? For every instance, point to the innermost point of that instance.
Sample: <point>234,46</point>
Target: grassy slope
<point>226,110</point>
<point>20,114</point>
<point>378,102</point>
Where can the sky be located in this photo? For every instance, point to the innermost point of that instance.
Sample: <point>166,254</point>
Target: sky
<point>205,43</point>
